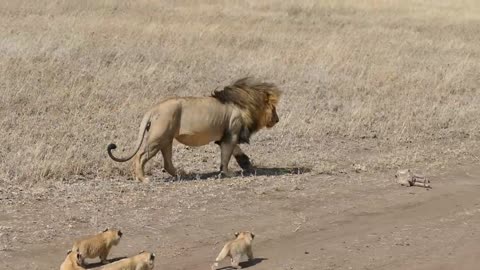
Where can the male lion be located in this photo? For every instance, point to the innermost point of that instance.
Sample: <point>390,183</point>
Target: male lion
<point>228,117</point>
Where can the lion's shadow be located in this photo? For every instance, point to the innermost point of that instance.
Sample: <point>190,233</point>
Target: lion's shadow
<point>246,264</point>
<point>256,171</point>
<point>98,264</point>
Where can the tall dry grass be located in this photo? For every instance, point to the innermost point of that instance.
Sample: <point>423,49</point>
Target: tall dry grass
<point>386,83</point>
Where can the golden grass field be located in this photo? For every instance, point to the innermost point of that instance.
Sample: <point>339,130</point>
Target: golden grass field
<point>369,86</point>
<point>77,75</point>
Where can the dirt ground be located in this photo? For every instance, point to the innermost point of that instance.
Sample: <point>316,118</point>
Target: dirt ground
<point>302,220</point>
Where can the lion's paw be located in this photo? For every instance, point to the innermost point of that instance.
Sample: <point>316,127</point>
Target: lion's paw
<point>226,174</point>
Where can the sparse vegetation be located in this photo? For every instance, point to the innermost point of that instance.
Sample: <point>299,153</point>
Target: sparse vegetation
<point>77,74</point>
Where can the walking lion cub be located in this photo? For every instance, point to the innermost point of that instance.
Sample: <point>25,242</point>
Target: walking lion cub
<point>241,245</point>
<point>98,245</point>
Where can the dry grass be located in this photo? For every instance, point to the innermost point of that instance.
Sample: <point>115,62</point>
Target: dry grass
<point>381,83</point>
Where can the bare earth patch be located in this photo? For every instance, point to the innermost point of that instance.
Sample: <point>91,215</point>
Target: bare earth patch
<point>301,221</point>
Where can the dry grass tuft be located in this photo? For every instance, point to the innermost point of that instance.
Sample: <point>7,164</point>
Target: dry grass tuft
<point>376,83</point>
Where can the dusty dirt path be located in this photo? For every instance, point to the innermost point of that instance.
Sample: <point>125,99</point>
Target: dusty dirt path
<point>311,222</point>
<point>412,229</point>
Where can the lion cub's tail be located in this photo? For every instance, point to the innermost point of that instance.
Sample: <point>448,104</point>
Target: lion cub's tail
<point>144,127</point>
<point>220,257</point>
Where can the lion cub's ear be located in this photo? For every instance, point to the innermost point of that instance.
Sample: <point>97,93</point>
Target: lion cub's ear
<point>68,251</point>
<point>236,234</point>
<point>105,230</point>
<point>253,235</point>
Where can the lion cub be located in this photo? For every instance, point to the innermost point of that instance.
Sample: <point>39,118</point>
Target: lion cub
<point>241,245</point>
<point>142,261</point>
<point>72,261</point>
<point>98,245</point>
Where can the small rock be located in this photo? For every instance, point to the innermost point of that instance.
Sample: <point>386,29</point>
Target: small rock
<point>359,168</point>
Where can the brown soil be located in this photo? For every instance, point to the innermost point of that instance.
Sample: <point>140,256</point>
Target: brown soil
<point>301,221</point>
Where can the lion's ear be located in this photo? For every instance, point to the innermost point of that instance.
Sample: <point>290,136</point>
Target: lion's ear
<point>273,97</point>
<point>105,230</point>
<point>236,234</point>
<point>267,98</point>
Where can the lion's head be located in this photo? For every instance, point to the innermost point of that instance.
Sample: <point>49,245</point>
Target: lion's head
<point>257,100</point>
<point>113,235</point>
<point>246,234</point>
<point>75,256</point>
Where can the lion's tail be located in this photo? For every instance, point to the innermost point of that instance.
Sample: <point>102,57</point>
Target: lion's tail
<point>220,257</point>
<point>144,127</point>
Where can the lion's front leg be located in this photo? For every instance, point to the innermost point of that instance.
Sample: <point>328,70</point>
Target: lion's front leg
<point>226,149</point>
<point>242,159</point>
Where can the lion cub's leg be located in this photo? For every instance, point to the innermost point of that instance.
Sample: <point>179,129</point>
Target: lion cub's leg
<point>236,261</point>
<point>249,253</point>
<point>103,256</point>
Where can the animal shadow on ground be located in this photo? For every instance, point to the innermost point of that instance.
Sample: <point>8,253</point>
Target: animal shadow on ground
<point>246,264</point>
<point>256,171</point>
<point>97,264</point>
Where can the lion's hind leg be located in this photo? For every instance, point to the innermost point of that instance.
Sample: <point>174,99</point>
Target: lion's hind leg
<point>235,262</point>
<point>141,158</point>
<point>167,161</point>
<point>250,253</point>
<point>160,137</point>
